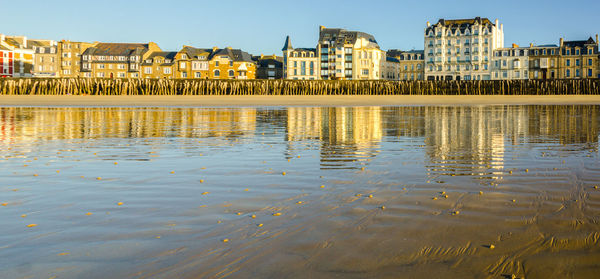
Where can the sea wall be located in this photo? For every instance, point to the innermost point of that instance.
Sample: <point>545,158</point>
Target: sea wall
<point>98,86</point>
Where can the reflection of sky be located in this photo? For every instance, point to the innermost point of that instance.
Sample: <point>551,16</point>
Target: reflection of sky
<point>460,140</point>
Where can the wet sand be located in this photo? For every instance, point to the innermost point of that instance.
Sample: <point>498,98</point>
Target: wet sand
<point>370,192</point>
<point>253,101</point>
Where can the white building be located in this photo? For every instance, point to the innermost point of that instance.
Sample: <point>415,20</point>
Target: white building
<point>461,49</point>
<point>300,63</point>
<point>510,63</point>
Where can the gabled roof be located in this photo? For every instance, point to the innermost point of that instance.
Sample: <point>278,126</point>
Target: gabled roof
<point>287,45</point>
<point>116,49</point>
<point>234,54</point>
<point>342,36</point>
<point>196,53</point>
<point>461,24</point>
<point>581,44</point>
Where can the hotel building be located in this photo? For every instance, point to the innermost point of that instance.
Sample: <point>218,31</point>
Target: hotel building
<point>461,49</point>
<point>510,63</point>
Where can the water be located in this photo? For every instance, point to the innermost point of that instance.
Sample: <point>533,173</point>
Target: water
<point>154,192</point>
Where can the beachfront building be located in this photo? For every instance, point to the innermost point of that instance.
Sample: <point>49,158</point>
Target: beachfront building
<point>269,67</point>
<point>300,63</point>
<point>192,63</point>
<point>461,49</point>
<point>510,63</point>
<point>543,62</point>
<point>69,56</point>
<point>159,64</point>
<point>411,62</point>
<point>6,61</point>
<point>46,58</point>
<point>349,55</point>
<point>228,63</point>
<point>23,54</point>
<point>115,60</point>
<point>390,69</point>
<point>578,58</point>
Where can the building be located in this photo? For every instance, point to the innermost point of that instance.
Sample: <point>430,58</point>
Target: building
<point>160,64</point>
<point>411,63</point>
<point>69,55</point>
<point>192,62</point>
<point>231,63</point>
<point>115,60</point>
<point>543,61</point>
<point>46,58</point>
<point>391,68</point>
<point>300,63</point>
<point>349,55</point>
<point>510,63</point>
<point>577,59</point>
<point>23,54</point>
<point>269,67</point>
<point>6,61</point>
<point>461,49</point>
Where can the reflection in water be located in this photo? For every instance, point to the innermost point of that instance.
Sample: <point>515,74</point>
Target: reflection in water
<point>456,139</point>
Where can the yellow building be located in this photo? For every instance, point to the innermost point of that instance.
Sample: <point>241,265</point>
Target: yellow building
<point>159,64</point>
<point>69,55</point>
<point>115,60</point>
<point>578,59</point>
<point>24,54</point>
<point>411,63</point>
<point>543,62</point>
<point>231,63</point>
<point>192,63</point>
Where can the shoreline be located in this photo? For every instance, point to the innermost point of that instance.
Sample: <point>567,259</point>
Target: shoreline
<point>292,100</point>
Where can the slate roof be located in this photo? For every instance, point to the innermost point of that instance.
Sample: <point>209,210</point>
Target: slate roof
<point>236,55</point>
<point>399,53</point>
<point>196,53</point>
<point>116,49</point>
<point>287,45</point>
<point>461,24</point>
<point>580,44</point>
<point>342,36</point>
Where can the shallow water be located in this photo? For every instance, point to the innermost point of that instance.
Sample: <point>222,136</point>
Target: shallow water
<point>154,192</point>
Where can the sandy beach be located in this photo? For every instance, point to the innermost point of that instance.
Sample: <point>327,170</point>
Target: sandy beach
<point>252,101</point>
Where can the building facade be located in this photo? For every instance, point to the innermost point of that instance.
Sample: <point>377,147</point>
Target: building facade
<point>115,60</point>
<point>411,63</point>
<point>159,64</point>
<point>349,55</point>
<point>192,63</point>
<point>300,63</point>
<point>6,61</point>
<point>231,63</point>
<point>46,59</point>
<point>269,67</point>
<point>23,54</point>
<point>510,63</point>
<point>69,55</point>
<point>577,59</point>
<point>544,62</point>
<point>461,49</point>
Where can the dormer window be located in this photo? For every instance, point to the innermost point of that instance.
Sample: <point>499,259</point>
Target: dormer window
<point>184,56</point>
<point>167,60</point>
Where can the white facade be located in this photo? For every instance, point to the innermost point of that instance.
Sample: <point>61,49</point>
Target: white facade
<point>510,63</point>
<point>461,49</point>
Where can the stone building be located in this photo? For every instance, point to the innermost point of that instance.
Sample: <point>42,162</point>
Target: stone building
<point>411,63</point>
<point>159,64</point>
<point>192,63</point>
<point>115,60</point>
<point>46,59</point>
<point>461,49</point>
<point>69,56</point>
<point>543,62</point>
<point>231,63</point>
<point>510,63</point>
<point>269,67</point>
<point>578,59</point>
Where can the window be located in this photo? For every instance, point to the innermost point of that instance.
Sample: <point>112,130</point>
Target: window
<point>100,66</point>
<point>121,66</point>
<point>568,62</point>
<point>100,75</point>
<point>121,75</point>
<point>576,62</point>
<point>365,72</point>
<point>568,73</point>
<point>184,75</point>
<point>147,70</point>
<point>134,75</point>
<point>182,64</point>
<point>216,63</point>
<point>197,75</point>
<point>589,62</point>
<point>271,73</point>
<point>589,72</point>
<point>271,66</point>
<point>184,56</point>
<point>230,63</point>
<point>231,72</point>
<point>166,70</point>
<point>295,64</point>
<point>577,52</point>
<point>577,73</point>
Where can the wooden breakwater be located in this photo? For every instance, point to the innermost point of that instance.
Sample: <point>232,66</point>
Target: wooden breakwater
<point>97,86</point>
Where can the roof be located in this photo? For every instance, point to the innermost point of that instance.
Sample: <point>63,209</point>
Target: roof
<point>581,44</point>
<point>116,49</point>
<point>399,53</point>
<point>3,48</point>
<point>461,24</point>
<point>391,59</point>
<point>549,45</point>
<point>287,45</point>
<point>196,53</point>
<point>234,54</point>
<point>342,36</point>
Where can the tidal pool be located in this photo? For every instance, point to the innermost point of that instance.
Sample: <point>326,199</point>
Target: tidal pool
<point>300,192</point>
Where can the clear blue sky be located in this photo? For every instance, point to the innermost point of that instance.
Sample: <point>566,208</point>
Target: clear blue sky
<point>260,26</point>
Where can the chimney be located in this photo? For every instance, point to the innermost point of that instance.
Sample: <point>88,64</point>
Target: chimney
<point>321,28</point>
<point>24,42</point>
<point>530,44</point>
<point>596,38</point>
<point>496,22</point>
<point>215,48</point>
<point>562,42</point>
<point>3,37</point>
<point>262,56</point>
<point>501,26</point>
<point>515,45</point>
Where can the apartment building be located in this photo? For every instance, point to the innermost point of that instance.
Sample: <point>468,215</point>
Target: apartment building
<point>411,63</point>
<point>390,69</point>
<point>578,59</point>
<point>461,49</point>
<point>192,62</point>
<point>349,55</point>
<point>23,54</point>
<point>115,60</point>
<point>269,67</point>
<point>300,63</point>
<point>510,63</point>
<point>46,59</point>
<point>6,61</point>
<point>544,61</point>
<point>159,64</point>
<point>69,55</point>
<point>231,63</point>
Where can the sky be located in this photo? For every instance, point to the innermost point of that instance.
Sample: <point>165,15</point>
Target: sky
<point>260,26</point>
